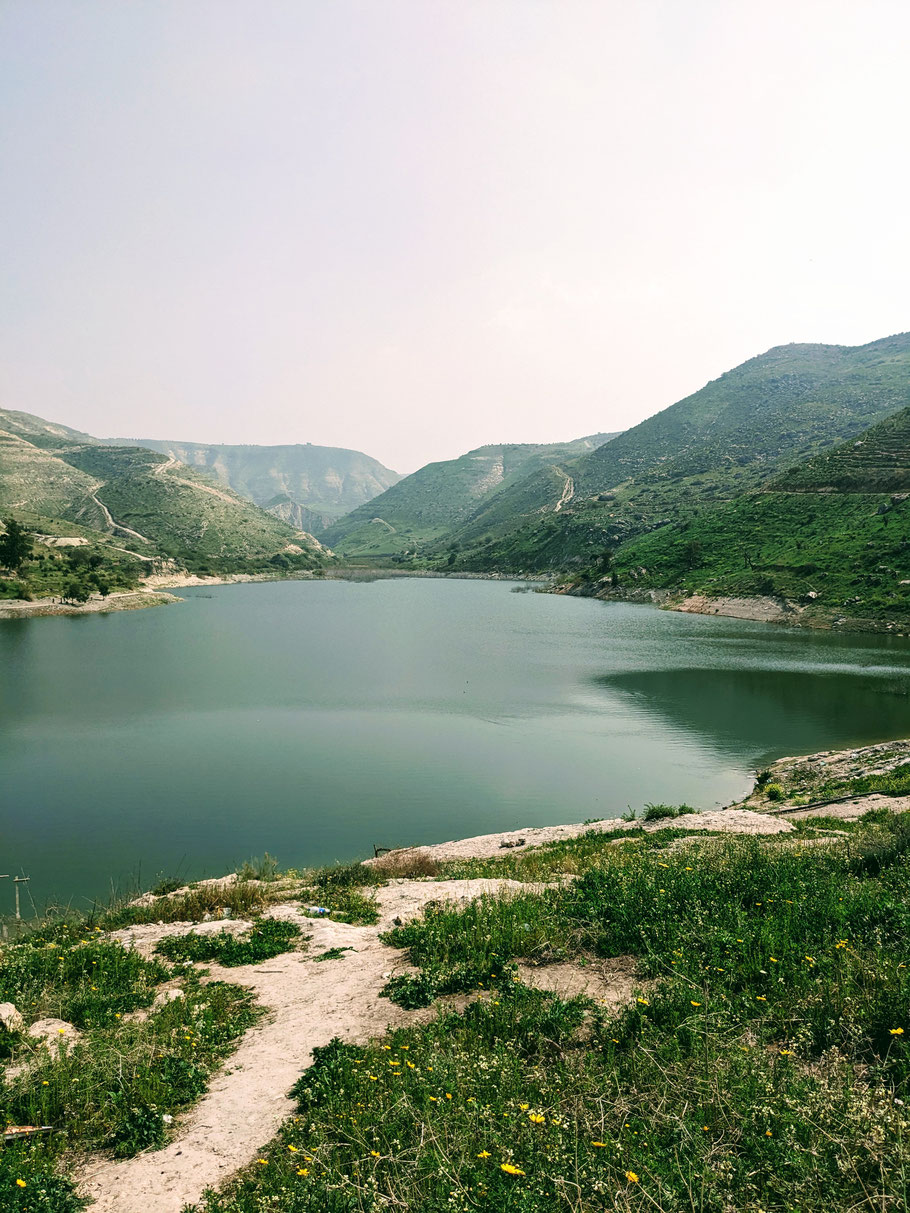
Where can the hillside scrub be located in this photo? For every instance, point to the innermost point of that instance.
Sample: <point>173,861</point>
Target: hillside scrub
<point>762,1066</point>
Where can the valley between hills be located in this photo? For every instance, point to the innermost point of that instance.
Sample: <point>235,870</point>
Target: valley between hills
<point>784,483</point>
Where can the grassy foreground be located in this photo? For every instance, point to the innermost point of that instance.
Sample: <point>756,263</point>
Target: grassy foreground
<point>762,1067</point>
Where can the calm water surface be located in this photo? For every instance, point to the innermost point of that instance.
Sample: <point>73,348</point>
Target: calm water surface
<point>315,719</point>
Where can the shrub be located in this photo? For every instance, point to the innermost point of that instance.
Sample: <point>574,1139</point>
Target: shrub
<point>660,812</point>
<point>774,791</point>
<point>264,868</point>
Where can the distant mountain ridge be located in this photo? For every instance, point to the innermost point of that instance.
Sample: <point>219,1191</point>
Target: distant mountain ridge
<point>424,507</point>
<point>301,483</point>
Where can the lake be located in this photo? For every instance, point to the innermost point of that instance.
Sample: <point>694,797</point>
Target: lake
<point>314,719</point>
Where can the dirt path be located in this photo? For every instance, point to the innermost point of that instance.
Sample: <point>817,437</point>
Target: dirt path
<point>115,526</point>
<point>568,492</point>
<point>308,1003</point>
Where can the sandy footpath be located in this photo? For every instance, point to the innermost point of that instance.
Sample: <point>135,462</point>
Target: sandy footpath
<point>308,1002</point>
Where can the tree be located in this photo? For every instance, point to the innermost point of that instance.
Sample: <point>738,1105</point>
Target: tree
<point>15,545</point>
<point>76,591</point>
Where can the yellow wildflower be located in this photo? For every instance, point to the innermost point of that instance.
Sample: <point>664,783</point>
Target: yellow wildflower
<point>303,1170</point>
<point>509,1169</point>
<point>694,1004</point>
<point>631,1177</point>
<point>896,1031</point>
<point>600,1144</point>
<point>484,1154</point>
<point>20,1183</point>
<point>537,1120</point>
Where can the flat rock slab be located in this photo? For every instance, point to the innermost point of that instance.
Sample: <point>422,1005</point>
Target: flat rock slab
<point>510,842</point>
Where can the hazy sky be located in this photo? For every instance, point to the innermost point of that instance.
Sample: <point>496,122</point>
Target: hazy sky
<point>415,226</point>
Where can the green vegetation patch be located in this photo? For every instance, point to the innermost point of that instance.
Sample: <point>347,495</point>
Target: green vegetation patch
<point>76,976</point>
<point>116,1086</point>
<point>268,938</point>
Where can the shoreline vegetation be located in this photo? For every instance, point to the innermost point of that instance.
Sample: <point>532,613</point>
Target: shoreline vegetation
<point>673,1010</point>
<point>152,591</point>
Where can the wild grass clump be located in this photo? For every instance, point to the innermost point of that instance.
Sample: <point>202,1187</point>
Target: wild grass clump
<point>662,812</point>
<point>566,857</point>
<point>229,898</point>
<point>346,903</point>
<point>412,864</point>
<point>269,937</point>
<point>30,1182</point>
<point>263,867</point>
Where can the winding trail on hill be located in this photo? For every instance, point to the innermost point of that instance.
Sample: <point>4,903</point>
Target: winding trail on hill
<point>162,470</point>
<point>109,519</point>
<point>568,492</point>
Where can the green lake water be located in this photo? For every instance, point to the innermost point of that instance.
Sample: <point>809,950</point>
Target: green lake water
<point>316,719</point>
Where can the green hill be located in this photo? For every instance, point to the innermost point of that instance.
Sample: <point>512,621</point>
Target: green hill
<point>133,504</point>
<point>735,434</point>
<point>423,508</point>
<point>832,534</point>
<point>305,485</point>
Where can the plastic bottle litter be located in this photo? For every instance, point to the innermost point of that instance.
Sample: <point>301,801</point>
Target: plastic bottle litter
<point>320,910</point>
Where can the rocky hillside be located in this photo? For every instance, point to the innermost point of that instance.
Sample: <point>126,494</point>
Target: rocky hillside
<point>831,535</point>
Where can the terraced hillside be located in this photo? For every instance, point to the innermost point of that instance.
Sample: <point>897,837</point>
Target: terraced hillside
<point>735,434</point>
<point>425,507</point>
<point>877,461</point>
<point>831,535</point>
<point>307,486</point>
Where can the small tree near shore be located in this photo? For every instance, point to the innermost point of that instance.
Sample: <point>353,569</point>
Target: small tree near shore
<point>15,545</point>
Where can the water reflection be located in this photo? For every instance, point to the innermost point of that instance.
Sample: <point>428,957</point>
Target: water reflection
<point>763,713</point>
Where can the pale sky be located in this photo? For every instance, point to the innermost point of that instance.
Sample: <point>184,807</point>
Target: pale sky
<point>415,226</point>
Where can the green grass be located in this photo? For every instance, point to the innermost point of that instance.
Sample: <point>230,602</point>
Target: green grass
<point>758,1069</point>
<point>241,899</point>
<point>73,975</point>
<point>266,939</point>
